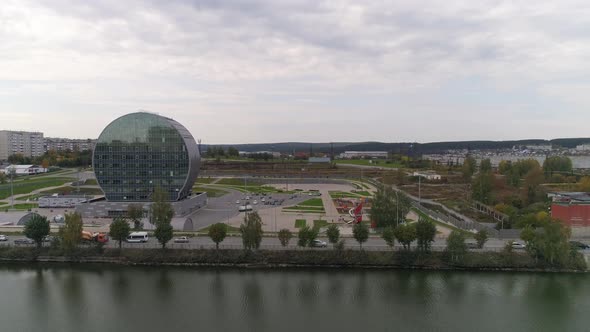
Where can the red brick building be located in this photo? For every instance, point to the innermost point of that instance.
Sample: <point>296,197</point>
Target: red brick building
<point>571,208</point>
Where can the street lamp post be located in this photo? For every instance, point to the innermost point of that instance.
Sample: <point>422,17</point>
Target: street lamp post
<point>11,172</point>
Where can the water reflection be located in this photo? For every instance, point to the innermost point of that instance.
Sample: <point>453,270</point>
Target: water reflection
<point>164,284</point>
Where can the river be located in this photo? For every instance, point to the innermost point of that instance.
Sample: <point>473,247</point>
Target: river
<point>118,298</point>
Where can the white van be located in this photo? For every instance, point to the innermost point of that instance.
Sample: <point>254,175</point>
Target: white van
<point>137,237</point>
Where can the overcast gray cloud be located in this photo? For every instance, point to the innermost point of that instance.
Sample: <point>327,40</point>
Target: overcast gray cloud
<point>256,71</point>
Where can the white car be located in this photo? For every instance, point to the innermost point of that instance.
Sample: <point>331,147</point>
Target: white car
<point>319,244</point>
<point>238,201</point>
<point>3,237</point>
<point>181,239</point>
<point>255,202</point>
<point>518,245</point>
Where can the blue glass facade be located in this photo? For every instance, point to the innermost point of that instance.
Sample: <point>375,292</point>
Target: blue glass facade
<point>139,152</point>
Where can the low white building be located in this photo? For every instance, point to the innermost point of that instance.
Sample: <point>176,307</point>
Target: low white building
<point>363,154</point>
<point>428,175</point>
<point>24,169</point>
<point>583,147</point>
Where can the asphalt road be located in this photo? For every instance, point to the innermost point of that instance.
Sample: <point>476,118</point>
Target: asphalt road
<point>235,242</point>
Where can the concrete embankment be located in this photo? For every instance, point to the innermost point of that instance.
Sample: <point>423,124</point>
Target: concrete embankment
<point>485,261</point>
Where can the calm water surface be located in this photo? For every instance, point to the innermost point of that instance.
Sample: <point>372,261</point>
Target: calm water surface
<point>101,298</point>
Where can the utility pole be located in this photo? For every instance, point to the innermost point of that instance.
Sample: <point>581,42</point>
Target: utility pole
<point>419,190</point>
<point>11,187</point>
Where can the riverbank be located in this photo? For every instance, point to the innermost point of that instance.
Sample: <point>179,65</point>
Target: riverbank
<point>476,261</point>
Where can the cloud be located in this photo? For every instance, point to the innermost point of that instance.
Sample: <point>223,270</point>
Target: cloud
<point>266,63</point>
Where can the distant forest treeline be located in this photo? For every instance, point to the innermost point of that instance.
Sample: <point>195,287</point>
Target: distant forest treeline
<point>404,148</point>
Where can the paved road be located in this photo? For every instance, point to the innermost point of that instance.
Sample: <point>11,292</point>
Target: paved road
<point>220,209</point>
<point>235,242</point>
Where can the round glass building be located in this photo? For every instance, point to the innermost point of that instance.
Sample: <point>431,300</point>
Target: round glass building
<point>141,151</point>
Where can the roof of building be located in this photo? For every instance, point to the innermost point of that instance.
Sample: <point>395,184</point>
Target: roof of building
<point>571,196</point>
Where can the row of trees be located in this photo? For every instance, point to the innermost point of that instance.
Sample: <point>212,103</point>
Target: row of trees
<point>64,158</point>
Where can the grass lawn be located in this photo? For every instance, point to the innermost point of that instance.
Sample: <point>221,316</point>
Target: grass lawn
<point>369,162</point>
<point>314,202</point>
<point>211,192</point>
<point>73,190</point>
<point>29,197</point>
<point>363,193</point>
<point>230,229</point>
<point>319,223</point>
<point>343,194</point>
<point>238,182</point>
<point>3,203</point>
<point>206,180</point>
<point>304,208</point>
<point>26,186</point>
<point>436,222</point>
<point>25,206</point>
<point>299,223</point>
<point>91,182</point>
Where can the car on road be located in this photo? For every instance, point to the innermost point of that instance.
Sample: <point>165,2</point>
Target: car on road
<point>247,197</point>
<point>24,241</point>
<point>255,202</point>
<point>181,239</point>
<point>318,244</point>
<point>518,245</point>
<point>48,238</point>
<point>471,245</point>
<point>579,245</point>
<point>3,237</point>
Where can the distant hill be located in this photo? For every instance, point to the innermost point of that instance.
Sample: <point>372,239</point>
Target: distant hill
<point>406,148</point>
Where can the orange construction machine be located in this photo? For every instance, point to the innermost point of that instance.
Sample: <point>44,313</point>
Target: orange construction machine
<point>95,237</point>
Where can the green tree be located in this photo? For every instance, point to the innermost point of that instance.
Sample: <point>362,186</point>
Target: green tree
<point>251,231</point>
<point>532,191</point>
<point>485,166</point>
<point>481,187</point>
<point>36,229</point>
<point>456,245</point>
<point>2,178</point>
<point>161,213</point>
<point>285,236</point>
<point>135,213</point>
<point>71,232</point>
<point>468,168</point>
<point>306,235</point>
<point>584,184</point>
<point>388,207</point>
<point>550,243</point>
<point>389,236</point>
<point>481,237</point>
<point>360,232</point>
<point>560,164</point>
<point>405,234</point>
<point>163,233</point>
<point>425,233</point>
<point>233,152</point>
<point>119,230</point>
<point>217,233</point>
<point>505,167</point>
<point>333,233</point>
<point>161,210</point>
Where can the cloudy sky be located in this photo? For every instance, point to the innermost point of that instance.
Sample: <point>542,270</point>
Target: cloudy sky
<point>285,70</point>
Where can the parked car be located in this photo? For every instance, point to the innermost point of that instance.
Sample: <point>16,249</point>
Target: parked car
<point>518,245</point>
<point>471,245</point>
<point>255,202</point>
<point>579,245</point>
<point>48,238</point>
<point>181,239</point>
<point>24,241</point>
<point>3,237</point>
<point>319,244</point>
<point>238,201</point>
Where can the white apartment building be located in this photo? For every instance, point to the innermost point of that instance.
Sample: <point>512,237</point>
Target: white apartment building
<point>29,144</point>
<point>363,154</point>
<point>62,144</point>
<point>583,147</point>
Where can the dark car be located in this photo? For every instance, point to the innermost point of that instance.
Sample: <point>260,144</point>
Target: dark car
<point>24,241</point>
<point>471,245</point>
<point>579,245</point>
